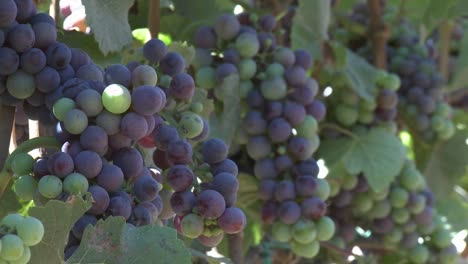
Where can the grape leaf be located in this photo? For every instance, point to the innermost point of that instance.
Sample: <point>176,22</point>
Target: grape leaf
<point>224,124</point>
<point>360,75</point>
<point>188,52</point>
<point>58,218</point>
<point>112,241</point>
<point>9,202</point>
<point>108,20</point>
<point>455,207</point>
<point>86,42</point>
<point>209,10</point>
<point>310,26</point>
<point>379,155</point>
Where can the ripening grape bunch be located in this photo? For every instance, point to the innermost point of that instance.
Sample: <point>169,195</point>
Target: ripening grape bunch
<point>400,216</point>
<point>279,122</point>
<point>351,110</point>
<point>421,85</point>
<point>17,234</point>
<point>33,64</point>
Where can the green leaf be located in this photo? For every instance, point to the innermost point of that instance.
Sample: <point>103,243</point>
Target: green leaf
<point>108,20</point>
<point>310,26</point>
<point>225,124</point>
<point>209,10</point>
<point>58,219</point>
<point>360,75</point>
<point>112,241</point>
<point>455,207</point>
<point>436,12</point>
<point>87,43</point>
<point>9,202</point>
<point>379,155</point>
<point>187,51</point>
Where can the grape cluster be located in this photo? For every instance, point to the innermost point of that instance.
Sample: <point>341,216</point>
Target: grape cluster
<point>421,86</point>
<point>17,234</point>
<point>100,115</point>
<point>401,216</point>
<point>279,122</point>
<point>351,110</point>
<point>33,64</point>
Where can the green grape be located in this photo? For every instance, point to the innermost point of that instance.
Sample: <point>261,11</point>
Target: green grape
<point>417,205</point>
<point>334,188</point>
<point>75,121</point>
<point>447,130</point>
<point>410,178</point>
<point>426,229</point>
<point>22,164</point>
<point>24,259</point>
<point>349,98</point>
<point>304,231</point>
<point>62,106</point>
<point>441,238</point>
<point>165,80</point>
<point>400,215</point>
<point>443,109</point>
<point>116,99</point>
<point>144,75</point>
<point>325,228</point>
<point>366,117</point>
<point>30,230</point>
<point>307,128</point>
<point>75,183</point>
<point>25,187</point>
<point>20,84</point>
<point>197,107</point>
<point>323,189</point>
<point>12,247</point>
<point>247,69</point>
<point>206,78</point>
<point>392,82</point>
<point>10,221</point>
<point>380,195</point>
<point>381,209</point>
<point>190,124</point>
<point>437,122</point>
<point>309,250</point>
<point>399,197</point>
<point>244,88</point>
<point>448,255</point>
<point>419,254</point>
<point>394,236</point>
<point>274,70</point>
<point>281,231</point>
<point>362,203</point>
<point>349,181</point>
<point>50,186</point>
<point>346,115</point>
<point>366,105</point>
<point>274,89</point>
<point>247,44</point>
<point>192,225</point>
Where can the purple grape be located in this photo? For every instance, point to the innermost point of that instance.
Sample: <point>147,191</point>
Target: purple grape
<point>210,204</point>
<point>95,139</point>
<point>179,152</point>
<point>120,206</point>
<point>313,208</point>
<point>289,212</point>
<point>232,221</point>
<point>101,200</point>
<point>111,177</point>
<point>180,177</point>
<point>214,150</point>
<point>88,163</point>
<point>129,160</point>
<point>154,50</point>
<point>183,202</point>
<point>60,164</point>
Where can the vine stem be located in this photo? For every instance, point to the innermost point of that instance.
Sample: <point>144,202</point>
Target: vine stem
<point>7,116</point>
<point>343,252</point>
<point>380,33</point>
<point>5,174</point>
<point>235,245</point>
<point>445,37</point>
<point>55,10</point>
<point>339,129</point>
<point>154,16</point>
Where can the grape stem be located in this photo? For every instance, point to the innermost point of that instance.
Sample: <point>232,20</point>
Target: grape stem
<point>5,174</point>
<point>339,129</point>
<point>154,16</point>
<point>329,246</point>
